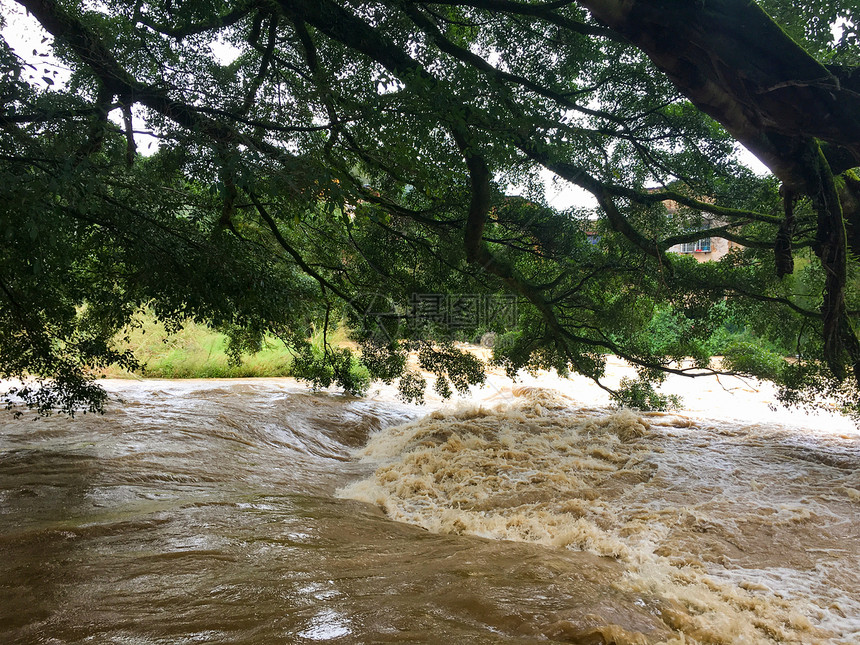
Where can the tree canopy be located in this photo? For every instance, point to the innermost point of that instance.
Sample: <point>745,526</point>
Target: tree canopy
<point>382,163</point>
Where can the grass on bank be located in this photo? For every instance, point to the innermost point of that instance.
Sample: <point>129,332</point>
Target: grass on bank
<point>196,351</point>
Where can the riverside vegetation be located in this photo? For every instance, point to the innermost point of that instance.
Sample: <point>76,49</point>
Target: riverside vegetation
<point>197,351</point>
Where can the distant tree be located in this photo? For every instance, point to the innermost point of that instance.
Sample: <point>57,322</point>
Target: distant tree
<point>353,160</point>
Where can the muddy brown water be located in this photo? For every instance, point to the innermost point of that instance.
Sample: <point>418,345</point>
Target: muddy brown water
<point>258,512</point>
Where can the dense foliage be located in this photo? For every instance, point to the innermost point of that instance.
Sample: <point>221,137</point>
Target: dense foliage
<point>354,161</point>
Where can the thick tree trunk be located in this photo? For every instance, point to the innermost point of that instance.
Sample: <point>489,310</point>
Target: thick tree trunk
<point>734,63</point>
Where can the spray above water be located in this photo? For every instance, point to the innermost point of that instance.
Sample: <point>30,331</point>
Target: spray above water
<point>739,534</point>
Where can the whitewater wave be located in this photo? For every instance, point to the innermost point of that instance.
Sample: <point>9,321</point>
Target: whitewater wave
<point>742,534</point>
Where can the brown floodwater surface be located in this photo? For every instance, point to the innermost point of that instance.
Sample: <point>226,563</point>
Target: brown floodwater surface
<point>258,512</point>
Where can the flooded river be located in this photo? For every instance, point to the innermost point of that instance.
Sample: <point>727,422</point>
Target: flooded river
<point>258,512</point>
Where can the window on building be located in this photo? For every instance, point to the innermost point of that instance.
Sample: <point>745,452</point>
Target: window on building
<point>699,246</point>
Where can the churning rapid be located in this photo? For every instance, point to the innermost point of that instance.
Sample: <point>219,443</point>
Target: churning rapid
<point>258,512</point>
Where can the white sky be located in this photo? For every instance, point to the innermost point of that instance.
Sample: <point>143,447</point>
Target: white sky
<point>33,44</point>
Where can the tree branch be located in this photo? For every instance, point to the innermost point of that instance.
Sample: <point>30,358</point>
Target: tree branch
<point>544,11</point>
<point>216,22</point>
<point>273,226</point>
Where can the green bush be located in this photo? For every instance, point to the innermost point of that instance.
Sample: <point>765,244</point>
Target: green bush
<point>641,395</point>
<point>754,359</point>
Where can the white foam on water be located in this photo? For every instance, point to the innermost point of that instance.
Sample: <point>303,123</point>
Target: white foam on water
<point>745,532</point>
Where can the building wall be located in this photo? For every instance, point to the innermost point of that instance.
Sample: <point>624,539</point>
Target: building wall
<point>719,247</point>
